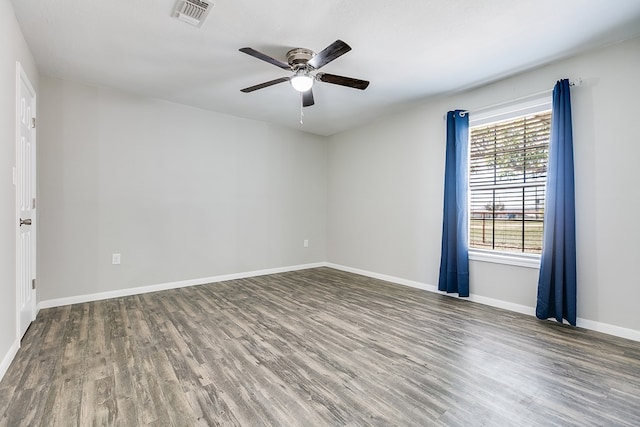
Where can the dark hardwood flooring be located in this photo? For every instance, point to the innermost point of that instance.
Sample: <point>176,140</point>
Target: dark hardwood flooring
<point>317,347</point>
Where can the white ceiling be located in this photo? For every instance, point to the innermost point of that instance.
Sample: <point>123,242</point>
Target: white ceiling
<point>410,50</point>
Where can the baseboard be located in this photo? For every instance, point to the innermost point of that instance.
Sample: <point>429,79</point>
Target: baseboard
<point>171,285</point>
<point>432,288</point>
<point>384,277</point>
<point>606,328</point>
<point>8,358</point>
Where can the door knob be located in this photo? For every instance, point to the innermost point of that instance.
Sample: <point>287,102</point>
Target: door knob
<point>25,221</point>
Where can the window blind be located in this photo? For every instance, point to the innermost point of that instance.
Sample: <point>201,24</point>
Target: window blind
<point>507,178</point>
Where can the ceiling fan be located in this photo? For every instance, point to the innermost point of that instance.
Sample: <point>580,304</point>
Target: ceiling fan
<point>304,63</point>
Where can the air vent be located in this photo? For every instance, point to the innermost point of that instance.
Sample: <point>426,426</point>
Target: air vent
<point>192,11</point>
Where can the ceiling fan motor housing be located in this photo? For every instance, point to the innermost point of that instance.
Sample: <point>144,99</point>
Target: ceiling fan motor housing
<point>299,57</point>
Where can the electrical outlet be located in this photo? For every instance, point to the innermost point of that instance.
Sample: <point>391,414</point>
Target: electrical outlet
<point>115,259</point>
<point>305,243</point>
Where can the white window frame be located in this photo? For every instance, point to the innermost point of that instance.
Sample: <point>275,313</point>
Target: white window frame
<point>508,111</point>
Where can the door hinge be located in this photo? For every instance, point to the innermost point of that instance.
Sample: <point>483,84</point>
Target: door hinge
<point>33,203</point>
<point>33,283</point>
<point>33,122</point>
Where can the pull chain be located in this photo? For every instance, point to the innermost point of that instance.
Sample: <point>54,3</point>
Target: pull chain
<point>301,110</point>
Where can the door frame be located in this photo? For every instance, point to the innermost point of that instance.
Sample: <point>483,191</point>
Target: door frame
<point>22,77</point>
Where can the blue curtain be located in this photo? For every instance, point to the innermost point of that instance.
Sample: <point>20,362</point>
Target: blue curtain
<point>454,261</point>
<point>557,281</point>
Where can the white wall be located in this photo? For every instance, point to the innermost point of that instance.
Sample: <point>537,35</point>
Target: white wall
<point>386,187</point>
<point>12,48</point>
<point>180,192</point>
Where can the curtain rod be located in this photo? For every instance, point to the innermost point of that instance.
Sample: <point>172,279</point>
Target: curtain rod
<point>504,103</point>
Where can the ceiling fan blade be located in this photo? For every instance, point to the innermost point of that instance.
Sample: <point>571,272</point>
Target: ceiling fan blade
<point>307,98</point>
<point>342,81</point>
<point>265,84</point>
<point>331,52</point>
<point>267,58</point>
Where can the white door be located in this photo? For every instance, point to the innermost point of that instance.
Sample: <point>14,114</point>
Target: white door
<point>25,202</point>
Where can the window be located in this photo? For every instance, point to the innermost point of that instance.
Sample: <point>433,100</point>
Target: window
<point>508,156</point>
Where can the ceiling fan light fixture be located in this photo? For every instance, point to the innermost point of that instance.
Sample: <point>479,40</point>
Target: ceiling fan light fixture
<point>302,82</point>
<point>305,63</point>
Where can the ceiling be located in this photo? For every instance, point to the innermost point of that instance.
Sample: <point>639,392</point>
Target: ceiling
<point>410,50</point>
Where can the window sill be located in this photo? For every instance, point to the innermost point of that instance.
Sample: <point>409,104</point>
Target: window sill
<point>509,258</point>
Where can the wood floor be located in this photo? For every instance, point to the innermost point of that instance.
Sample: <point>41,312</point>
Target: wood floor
<point>314,348</point>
